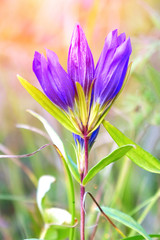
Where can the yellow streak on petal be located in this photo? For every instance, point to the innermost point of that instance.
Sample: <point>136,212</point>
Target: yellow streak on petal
<point>89,96</point>
<point>82,104</point>
<point>94,115</point>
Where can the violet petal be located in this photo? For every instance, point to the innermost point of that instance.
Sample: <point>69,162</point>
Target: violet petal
<point>80,60</point>
<point>52,77</point>
<point>110,74</point>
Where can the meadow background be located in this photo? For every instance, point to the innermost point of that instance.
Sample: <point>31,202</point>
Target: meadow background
<point>26,26</point>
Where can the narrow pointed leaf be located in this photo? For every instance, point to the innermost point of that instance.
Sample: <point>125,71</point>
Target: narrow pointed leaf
<point>112,157</point>
<point>49,106</point>
<point>126,220</point>
<point>138,155</point>
<point>59,144</point>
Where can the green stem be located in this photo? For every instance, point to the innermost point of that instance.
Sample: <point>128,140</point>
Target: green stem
<point>82,226</point>
<point>71,199</point>
<point>82,192</point>
<point>71,195</point>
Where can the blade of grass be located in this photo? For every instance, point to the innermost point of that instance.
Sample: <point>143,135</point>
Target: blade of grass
<point>148,208</point>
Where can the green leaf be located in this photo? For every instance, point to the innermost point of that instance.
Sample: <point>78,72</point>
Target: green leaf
<point>157,236</point>
<point>112,157</point>
<point>125,220</point>
<point>59,144</point>
<point>53,233</point>
<point>44,185</point>
<point>49,106</point>
<point>32,239</point>
<point>50,215</point>
<point>57,216</point>
<point>138,155</point>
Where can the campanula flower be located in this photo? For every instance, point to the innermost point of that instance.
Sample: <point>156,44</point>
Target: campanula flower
<point>81,97</point>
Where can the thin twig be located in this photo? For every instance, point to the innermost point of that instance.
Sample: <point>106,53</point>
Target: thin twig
<point>105,215</point>
<point>25,155</point>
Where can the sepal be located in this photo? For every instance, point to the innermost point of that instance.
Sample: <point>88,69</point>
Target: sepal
<point>49,106</point>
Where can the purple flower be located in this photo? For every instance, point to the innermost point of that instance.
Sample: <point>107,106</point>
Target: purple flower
<point>53,79</point>
<point>111,68</point>
<point>98,85</point>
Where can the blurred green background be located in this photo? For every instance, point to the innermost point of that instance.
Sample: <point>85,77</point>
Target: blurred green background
<point>26,26</point>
